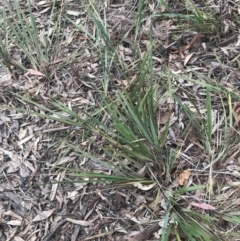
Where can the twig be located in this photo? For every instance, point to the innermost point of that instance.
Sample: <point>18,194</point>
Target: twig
<point>54,229</point>
<point>146,233</point>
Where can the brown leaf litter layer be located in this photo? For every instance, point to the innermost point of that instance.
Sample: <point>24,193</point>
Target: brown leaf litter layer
<point>31,208</point>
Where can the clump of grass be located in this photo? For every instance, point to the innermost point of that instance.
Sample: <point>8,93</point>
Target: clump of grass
<point>128,135</point>
<point>40,49</point>
<point>128,140</point>
<point>201,19</point>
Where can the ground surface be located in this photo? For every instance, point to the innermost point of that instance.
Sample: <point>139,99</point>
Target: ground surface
<point>33,209</point>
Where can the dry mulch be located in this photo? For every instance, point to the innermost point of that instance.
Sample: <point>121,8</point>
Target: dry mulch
<point>33,209</point>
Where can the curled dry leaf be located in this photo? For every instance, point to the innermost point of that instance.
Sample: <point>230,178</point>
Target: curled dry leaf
<point>163,119</point>
<point>203,206</point>
<point>195,43</point>
<point>34,72</point>
<point>183,177</point>
<point>144,187</point>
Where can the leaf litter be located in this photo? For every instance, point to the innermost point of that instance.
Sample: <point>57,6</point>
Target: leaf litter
<point>31,146</point>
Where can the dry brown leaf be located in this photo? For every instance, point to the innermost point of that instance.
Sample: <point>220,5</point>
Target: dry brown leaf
<point>184,177</point>
<point>142,172</point>
<point>73,13</point>
<point>34,72</point>
<point>24,171</point>
<point>194,43</point>
<point>143,187</point>
<point>17,238</point>
<point>43,215</point>
<point>73,195</point>
<point>187,58</point>
<point>25,140</point>
<point>204,206</point>
<point>163,119</point>
<point>14,223</point>
<point>65,160</point>
<point>80,222</point>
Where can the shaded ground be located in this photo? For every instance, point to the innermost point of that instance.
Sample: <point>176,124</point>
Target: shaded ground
<point>33,209</point>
